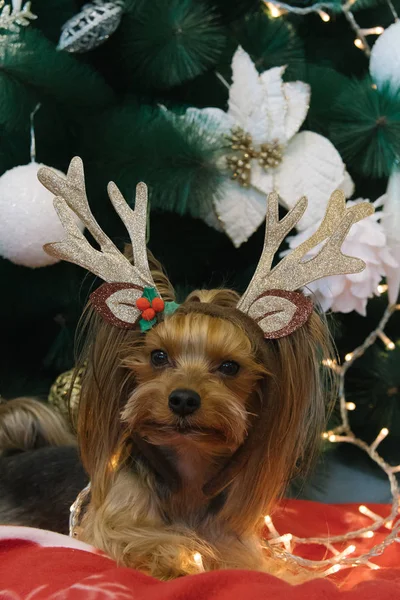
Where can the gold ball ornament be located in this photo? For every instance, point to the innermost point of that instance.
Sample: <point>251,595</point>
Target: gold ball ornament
<point>65,393</point>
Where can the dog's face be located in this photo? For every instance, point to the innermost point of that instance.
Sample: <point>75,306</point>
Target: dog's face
<point>194,379</point>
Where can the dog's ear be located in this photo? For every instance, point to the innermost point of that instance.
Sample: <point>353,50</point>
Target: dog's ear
<point>291,408</point>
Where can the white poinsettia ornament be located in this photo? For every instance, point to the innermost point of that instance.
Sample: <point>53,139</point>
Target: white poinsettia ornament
<point>265,152</point>
<point>391,226</point>
<point>366,240</point>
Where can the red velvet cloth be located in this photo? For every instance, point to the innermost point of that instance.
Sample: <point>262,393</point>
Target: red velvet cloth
<point>37,565</point>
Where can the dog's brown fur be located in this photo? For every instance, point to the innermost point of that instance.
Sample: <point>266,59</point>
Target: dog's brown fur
<point>163,490</point>
<point>28,424</point>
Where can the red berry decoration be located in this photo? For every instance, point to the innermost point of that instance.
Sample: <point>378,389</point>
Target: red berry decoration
<point>142,304</point>
<point>158,304</point>
<point>148,314</point>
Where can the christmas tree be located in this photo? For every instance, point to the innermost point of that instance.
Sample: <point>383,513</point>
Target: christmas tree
<point>213,104</point>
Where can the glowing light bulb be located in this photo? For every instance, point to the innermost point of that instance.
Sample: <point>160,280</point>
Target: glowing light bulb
<point>113,462</point>
<point>325,435</point>
<point>348,550</point>
<point>271,527</point>
<point>368,534</point>
<point>332,438</point>
<point>267,520</point>
<point>324,16</point>
<point>274,10</point>
<point>348,356</point>
<point>331,364</point>
<point>382,288</point>
<point>381,436</point>
<point>198,560</point>
<point>332,570</point>
<point>372,31</point>
<point>386,340</point>
<point>369,513</point>
<point>283,539</point>
<point>350,406</point>
<point>358,44</point>
<point>286,539</point>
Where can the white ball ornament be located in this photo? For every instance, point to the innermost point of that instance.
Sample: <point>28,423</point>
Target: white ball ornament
<point>27,218</point>
<point>384,65</point>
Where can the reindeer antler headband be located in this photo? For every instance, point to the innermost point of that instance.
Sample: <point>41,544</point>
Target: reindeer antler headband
<point>130,292</point>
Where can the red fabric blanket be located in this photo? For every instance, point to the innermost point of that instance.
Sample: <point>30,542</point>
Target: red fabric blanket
<point>39,565</point>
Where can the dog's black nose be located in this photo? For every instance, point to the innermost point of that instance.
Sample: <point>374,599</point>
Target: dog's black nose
<point>184,402</point>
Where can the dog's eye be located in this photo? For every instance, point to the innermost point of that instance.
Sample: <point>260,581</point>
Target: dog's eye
<point>229,367</point>
<point>159,358</point>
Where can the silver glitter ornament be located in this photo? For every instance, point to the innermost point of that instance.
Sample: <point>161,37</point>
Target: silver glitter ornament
<point>92,26</point>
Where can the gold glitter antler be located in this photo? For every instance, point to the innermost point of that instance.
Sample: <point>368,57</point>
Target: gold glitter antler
<point>125,282</point>
<point>109,263</point>
<point>275,233</point>
<point>271,298</point>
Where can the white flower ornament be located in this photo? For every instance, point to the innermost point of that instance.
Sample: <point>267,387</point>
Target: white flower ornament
<point>265,153</point>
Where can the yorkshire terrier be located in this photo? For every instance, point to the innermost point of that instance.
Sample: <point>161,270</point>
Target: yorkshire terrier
<point>40,469</point>
<point>193,418</point>
<point>191,433</point>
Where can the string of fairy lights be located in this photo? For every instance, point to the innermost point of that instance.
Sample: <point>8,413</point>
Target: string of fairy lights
<point>277,8</point>
<point>285,545</point>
